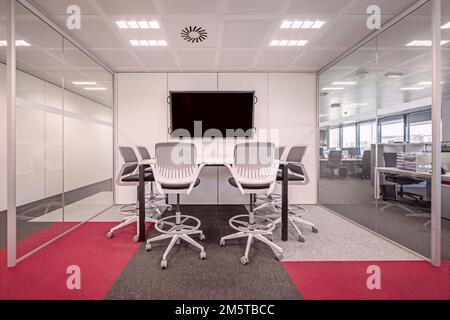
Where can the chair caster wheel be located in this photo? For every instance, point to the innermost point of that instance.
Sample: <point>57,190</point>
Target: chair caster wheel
<point>244,260</point>
<point>178,241</point>
<point>222,243</point>
<point>315,230</point>
<point>136,238</point>
<point>202,255</point>
<point>169,208</point>
<point>163,264</point>
<point>148,247</point>
<point>201,237</point>
<point>301,239</point>
<point>279,257</point>
<point>109,235</point>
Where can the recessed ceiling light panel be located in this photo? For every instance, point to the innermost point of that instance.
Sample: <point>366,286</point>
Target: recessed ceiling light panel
<point>148,43</point>
<point>424,43</point>
<point>302,24</point>
<point>141,24</point>
<point>290,43</point>
<point>19,43</point>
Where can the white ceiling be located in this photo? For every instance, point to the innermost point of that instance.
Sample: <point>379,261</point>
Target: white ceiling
<point>239,32</point>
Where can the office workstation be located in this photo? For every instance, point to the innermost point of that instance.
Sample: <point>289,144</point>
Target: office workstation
<point>224,149</point>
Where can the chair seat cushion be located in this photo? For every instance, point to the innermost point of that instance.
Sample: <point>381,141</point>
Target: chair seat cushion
<point>135,177</point>
<point>249,186</point>
<point>180,186</point>
<point>291,177</point>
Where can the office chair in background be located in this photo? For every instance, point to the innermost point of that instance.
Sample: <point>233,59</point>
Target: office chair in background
<point>390,160</point>
<point>366,171</point>
<point>254,172</point>
<point>176,176</point>
<point>145,155</point>
<point>127,176</point>
<point>334,162</point>
<point>297,175</point>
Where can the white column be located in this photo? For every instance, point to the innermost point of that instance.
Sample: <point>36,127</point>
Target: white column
<point>436,119</point>
<point>11,134</point>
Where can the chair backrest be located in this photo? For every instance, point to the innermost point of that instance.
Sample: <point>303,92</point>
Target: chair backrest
<point>175,165</point>
<point>366,160</point>
<point>296,154</point>
<point>279,152</point>
<point>335,157</point>
<point>255,164</point>
<point>143,151</point>
<point>390,159</point>
<point>130,160</point>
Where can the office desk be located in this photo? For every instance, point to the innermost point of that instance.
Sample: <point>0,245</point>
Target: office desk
<point>412,174</point>
<point>215,162</point>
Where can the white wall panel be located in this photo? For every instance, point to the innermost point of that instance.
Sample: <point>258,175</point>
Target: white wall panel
<point>142,117</point>
<point>292,111</point>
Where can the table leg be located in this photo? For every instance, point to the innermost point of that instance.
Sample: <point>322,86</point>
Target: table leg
<point>284,204</point>
<point>141,196</point>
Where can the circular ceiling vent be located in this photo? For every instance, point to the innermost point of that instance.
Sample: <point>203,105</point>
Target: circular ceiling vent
<point>194,34</point>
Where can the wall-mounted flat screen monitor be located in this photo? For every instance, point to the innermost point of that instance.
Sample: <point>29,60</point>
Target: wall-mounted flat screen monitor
<point>196,113</point>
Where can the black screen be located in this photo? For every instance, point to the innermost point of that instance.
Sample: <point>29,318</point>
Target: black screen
<point>215,110</point>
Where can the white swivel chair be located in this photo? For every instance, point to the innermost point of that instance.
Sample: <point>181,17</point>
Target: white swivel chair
<point>254,172</point>
<point>176,171</point>
<point>297,175</point>
<point>127,176</point>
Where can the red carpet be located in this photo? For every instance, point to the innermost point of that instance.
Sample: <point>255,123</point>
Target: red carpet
<point>403,280</point>
<point>43,275</point>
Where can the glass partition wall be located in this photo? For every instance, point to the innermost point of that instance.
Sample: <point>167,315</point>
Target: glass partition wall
<point>64,133</point>
<point>375,114</point>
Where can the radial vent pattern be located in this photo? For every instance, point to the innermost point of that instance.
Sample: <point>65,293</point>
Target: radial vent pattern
<point>194,34</point>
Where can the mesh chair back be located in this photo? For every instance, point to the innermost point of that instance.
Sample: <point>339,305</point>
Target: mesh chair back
<point>296,154</point>
<point>176,161</point>
<point>130,160</point>
<point>143,151</point>
<point>335,157</point>
<point>279,152</point>
<point>390,159</point>
<point>254,162</point>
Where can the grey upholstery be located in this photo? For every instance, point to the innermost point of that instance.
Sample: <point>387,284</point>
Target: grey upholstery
<point>129,157</point>
<point>179,186</point>
<point>249,186</point>
<point>143,151</point>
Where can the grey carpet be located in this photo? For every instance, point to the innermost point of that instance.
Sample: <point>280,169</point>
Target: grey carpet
<point>221,276</point>
<point>353,198</point>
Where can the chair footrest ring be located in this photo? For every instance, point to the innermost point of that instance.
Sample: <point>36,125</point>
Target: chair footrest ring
<point>261,225</point>
<point>178,229</point>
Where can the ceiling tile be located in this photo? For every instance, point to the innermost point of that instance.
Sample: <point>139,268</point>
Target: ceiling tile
<point>174,27</point>
<point>277,58</point>
<point>254,7</point>
<point>317,7</point>
<point>245,33</point>
<point>118,58</point>
<point>237,58</point>
<point>194,7</point>
<point>155,57</point>
<point>60,6</point>
<point>388,7</point>
<point>127,7</point>
<point>197,58</point>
